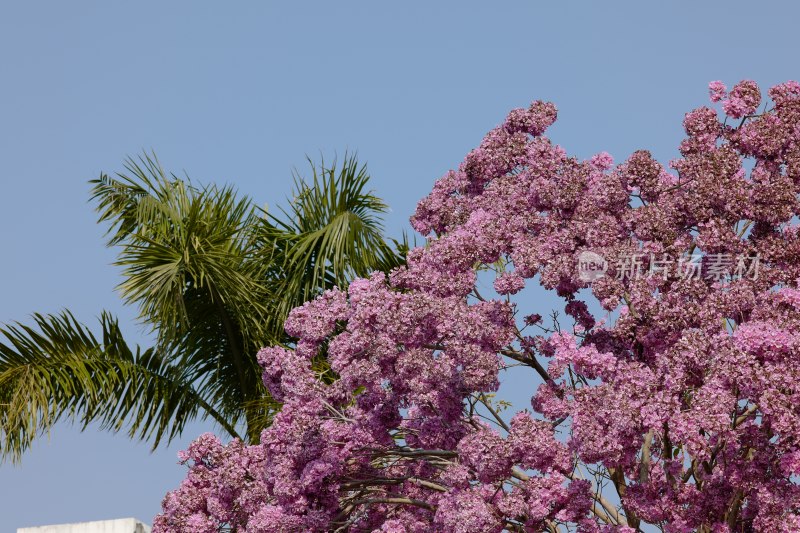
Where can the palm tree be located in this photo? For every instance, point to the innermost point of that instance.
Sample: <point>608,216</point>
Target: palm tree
<point>213,277</point>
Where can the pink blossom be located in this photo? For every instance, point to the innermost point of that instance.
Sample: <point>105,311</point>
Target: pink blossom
<point>717,90</point>
<point>509,283</point>
<point>602,161</point>
<point>683,400</point>
<point>742,100</point>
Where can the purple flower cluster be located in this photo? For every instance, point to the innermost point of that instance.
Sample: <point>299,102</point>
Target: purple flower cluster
<point>674,396</point>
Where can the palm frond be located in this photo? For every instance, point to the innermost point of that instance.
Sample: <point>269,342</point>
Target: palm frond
<point>139,198</point>
<point>193,266</point>
<point>58,369</point>
<point>175,236</point>
<point>331,232</point>
<point>214,278</point>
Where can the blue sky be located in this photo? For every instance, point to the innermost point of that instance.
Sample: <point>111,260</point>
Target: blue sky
<point>241,93</point>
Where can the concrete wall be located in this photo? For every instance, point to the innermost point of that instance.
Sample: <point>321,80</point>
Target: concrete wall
<point>122,525</point>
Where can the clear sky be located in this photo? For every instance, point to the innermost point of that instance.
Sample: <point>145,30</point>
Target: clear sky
<point>239,92</point>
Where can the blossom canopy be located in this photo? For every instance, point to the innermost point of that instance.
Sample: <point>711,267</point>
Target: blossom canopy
<point>668,396</point>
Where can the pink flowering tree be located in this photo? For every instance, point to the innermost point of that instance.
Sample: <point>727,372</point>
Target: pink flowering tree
<point>666,397</point>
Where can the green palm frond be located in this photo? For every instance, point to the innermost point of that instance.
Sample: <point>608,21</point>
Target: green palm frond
<point>192,264</point>
<point>59,369</point>
<point>331,232</point>
<point>213,278</point>
<point>175,236</point>
<point>138,199</point>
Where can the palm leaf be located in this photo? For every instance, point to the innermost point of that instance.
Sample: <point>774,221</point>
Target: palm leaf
<point>331,233</point>
<point>193,266</point>
<point>59,370</point>
<point>213,278</point>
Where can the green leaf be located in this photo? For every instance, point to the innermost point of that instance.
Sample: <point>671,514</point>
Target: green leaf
<point>60,370</point>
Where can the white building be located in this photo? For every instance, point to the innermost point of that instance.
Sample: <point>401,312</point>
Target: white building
<point>121,525</point>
